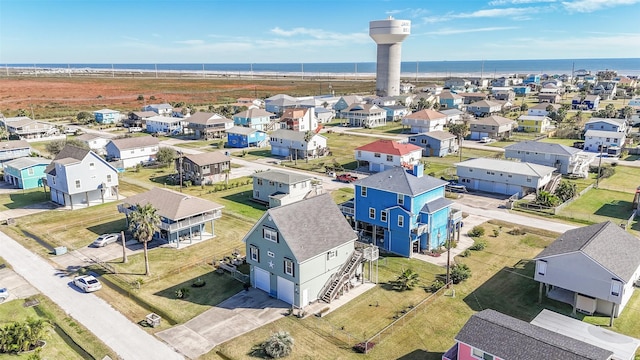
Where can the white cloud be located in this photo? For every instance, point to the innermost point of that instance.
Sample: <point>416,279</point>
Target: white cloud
<point>320,34</point>
<point>513,12</point>
<point>193,42</point>
<point>594,5</point>
<point>409,12</point>
<point>449,31</point>
<point>518,2</point>
<point>573,47</point>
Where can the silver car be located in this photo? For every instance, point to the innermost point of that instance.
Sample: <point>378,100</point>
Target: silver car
<point>105,239</point>
<point>87,283</point>
<point>4,294</point>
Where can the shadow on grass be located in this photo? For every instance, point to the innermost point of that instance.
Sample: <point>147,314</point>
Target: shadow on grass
<point>258,153</point>
<point>114,226</point>
<point>422,355</point>
<point>619,209</point>
<point>512,291</point>
<point>217,288</point>
<point>246,198</point>
<point>21,200</point>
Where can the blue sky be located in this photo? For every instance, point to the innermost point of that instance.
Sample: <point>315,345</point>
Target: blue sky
<point>261,31</point>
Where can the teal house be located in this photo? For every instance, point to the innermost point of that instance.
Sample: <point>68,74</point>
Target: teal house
<point>302,252</point>
<point>26,172</point>
<point>107,116</point>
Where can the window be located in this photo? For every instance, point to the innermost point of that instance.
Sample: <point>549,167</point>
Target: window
<point>288,267</point>
<point>479,354</point>
<point>383,216</point>
<point>528,178</point>
<point>30,171</point>
<point>92,166</point>
<point>423,141</point>
<point>359,153</point>
<point>363,191</point>
<point>400,221</point>
<point>412,139</point>
<point>541,267</point>
<point>77,184</point>
<point>372,213</point>
<point>389,157</point>
<point>615,141</point>
<point>254,253</point>
<point>608,139</point>
<point>510,175</point>
<point>270,234</point>
<point>376,155</point>
<point>109,178</point>
<point>400,199</point>
<point>271,183</point>
<point>271,254</point>
<point>259,181</point>
<point>616,287</point>
<point>331,254</point>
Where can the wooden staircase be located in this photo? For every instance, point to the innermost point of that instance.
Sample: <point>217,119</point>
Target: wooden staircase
<point>337,280</point>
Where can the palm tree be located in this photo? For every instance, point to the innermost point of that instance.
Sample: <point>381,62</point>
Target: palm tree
<point>407,280</point>
<point>144,221</point>
<point>460,130</point>
<point>278,345</point>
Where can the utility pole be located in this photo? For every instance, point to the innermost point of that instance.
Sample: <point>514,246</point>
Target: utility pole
<point>124,248</point>
<point>599,164</point>
<point>180,168</point>
<point>448,248</point>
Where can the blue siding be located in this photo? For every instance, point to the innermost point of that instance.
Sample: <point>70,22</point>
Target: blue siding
<point>243,141</point>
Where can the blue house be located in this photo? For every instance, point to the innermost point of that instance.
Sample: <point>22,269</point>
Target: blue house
<point>531,79</point>
<point>13,149</point>
<point>521,90</point>
<point>402,212</point>
<point>435,143</point>
<point>242,137</point>
<point>26,172</point>
<point>106,116</point>
<point>254,118</point>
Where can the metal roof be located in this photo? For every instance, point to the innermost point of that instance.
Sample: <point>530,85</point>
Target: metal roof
<point>398,181</point>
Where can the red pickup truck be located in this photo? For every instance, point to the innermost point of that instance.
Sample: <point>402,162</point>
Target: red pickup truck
<point>346,178</point>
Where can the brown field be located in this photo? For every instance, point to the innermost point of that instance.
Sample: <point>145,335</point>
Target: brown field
<point>55,97</point>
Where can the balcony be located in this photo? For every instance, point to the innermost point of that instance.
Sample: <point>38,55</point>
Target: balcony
<point>420,228</point>
<point>347,208</point>
<point>192,221</point>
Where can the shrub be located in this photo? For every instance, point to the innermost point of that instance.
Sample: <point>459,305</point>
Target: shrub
<point>459,273</point>
<point>140,97</point>
<point>477,231</point>
<point>406,280</point>
<point>182,293</point>
<point>516,231</point>
<point>478,245</point>
<point>466,253</point>
<point>496,232</point>
<point>199,283</point>
<point>436,285</point>
<point>364,347</point>
<point>278,345</point>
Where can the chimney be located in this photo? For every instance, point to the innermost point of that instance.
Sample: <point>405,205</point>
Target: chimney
<point>418,170</point>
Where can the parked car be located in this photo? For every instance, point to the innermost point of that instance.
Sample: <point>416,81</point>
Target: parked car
<point>105,239</point>
<point>4,294</point>
<point>87,283</point>
<point>454,187</point>
<point>486,140</point>
<point>346,178</point>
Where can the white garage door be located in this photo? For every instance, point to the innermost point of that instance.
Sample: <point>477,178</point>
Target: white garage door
<point>485,186</point>
<point>285,290</point>
<point>476,135</point>
<point>262,279</point>
<point>513,189</point>
<point>500,188</point>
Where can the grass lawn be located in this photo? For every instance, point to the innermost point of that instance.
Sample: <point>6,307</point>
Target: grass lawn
<point>63,336</point>
<point>565,142</point>
<point>626,179</point>
<point>341,195</point>
<point>391,128</point>
<point>599,205</point>
<point>500,280</point>
<point>22,198</point>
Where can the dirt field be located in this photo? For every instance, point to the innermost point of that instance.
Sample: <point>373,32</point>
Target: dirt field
<point>55,97</point>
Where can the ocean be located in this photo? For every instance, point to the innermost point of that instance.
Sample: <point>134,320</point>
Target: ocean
<point>486,68</point>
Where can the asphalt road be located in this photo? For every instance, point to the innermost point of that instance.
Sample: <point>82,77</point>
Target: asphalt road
<point>127,339</point>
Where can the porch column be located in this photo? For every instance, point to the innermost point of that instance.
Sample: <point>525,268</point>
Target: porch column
<point>613,312</point>
<point>86,196</point>
<point>213,233</point>
<point>575,299</point>
<point>540,293</point>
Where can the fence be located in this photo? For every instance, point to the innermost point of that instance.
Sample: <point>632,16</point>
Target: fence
<point>330,331</point>
<point>400,321</point>
<point>564,204</point>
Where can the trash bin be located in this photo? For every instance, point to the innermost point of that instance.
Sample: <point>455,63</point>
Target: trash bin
<point>60,250</point>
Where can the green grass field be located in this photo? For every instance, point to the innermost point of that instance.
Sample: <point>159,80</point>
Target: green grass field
<point>598,205</point>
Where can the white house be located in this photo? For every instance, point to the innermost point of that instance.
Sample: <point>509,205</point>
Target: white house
<point>160,109</point>
<point>365,115</point>
<point>277,187</point>
<point>299,119</point>
<point>425,120</point>
<point>381,155</point>
<point>96,143</point>
<point>297,144</point>
<point>541,109</point>
<point>612,140</point>
<point>503,176</point>
<point>607,124</point>
<point>165,125</point>
<point>133,151</point>
<point>80,177</point>
<point>433,88</point>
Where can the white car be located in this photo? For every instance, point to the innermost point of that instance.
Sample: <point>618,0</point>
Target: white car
<point>105,239</point>
<point>486,140</point>
<point>4,294</point>
<point>87,283</point>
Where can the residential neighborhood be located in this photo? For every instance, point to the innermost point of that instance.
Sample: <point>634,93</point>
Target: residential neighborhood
<point>495,214</point>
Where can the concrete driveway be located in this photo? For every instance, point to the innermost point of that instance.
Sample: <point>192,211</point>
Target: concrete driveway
<point>241,313</point>
<point>18,287</point>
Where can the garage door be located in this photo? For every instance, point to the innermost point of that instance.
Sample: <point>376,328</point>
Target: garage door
<point>485,186</point>
<point>281,151</point>
<point>262,279</point>
<point>500,188</point>
<point>285,290</point>
<point>476,135</point>
<point>513,189</point>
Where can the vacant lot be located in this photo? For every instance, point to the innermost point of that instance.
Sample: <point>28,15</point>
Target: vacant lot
<point>599,205</point>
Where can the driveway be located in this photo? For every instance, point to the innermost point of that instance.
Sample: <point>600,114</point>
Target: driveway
<point>18,287</point>
<point>241,313</point>
<point>125,338</point>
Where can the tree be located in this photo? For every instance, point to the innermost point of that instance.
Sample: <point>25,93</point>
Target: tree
<point>524,107</point>
<point>626,112</point>
<point>611,110</point>
<point>144,221</point>
<point>55,146</point>
<point>84,117</point>
<point>547,199</point>
<point>460,130</point>
<point>406,280</point>
<point>578,117</point>
<point>165,156</point>
<point>566,190</point>
<point>459,273</point>
<point>278,345</point>
<point>549,108</point>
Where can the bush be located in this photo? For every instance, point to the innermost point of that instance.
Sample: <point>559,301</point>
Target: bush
<point>477,231</point>
<point>466,253</point>
<point>436,285</point>
<point>478,245</point>
<point>364,347</point>
<point>459,273</point>
<point>516,232</point>
<point>278,345</point>
<point>182,293</point>
<point>496,232</point>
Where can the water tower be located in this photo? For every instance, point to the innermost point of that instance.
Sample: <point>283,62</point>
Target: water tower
<point>389,34</point>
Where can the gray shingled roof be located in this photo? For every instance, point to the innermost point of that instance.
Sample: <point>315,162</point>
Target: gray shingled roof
<point>290,135</point>
<point>68,155</point>
<point>14,144</point>
<point>241,130</point>
<point>173,205</point>
<point>207,118</point>
<point>604,134</point>
<point>606,243</point>
<point>207,158</point>
<point>253,113</point>
<point>397,180</point>
<point>543,147</point>
<point>509,338</point>
<point>435,205</point>
<point>508,166</point>
<point>280,176</point>
<point>25,162</point>
<point>312,226</point>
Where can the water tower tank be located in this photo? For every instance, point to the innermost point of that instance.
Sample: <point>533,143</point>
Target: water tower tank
<point>389,34</point>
